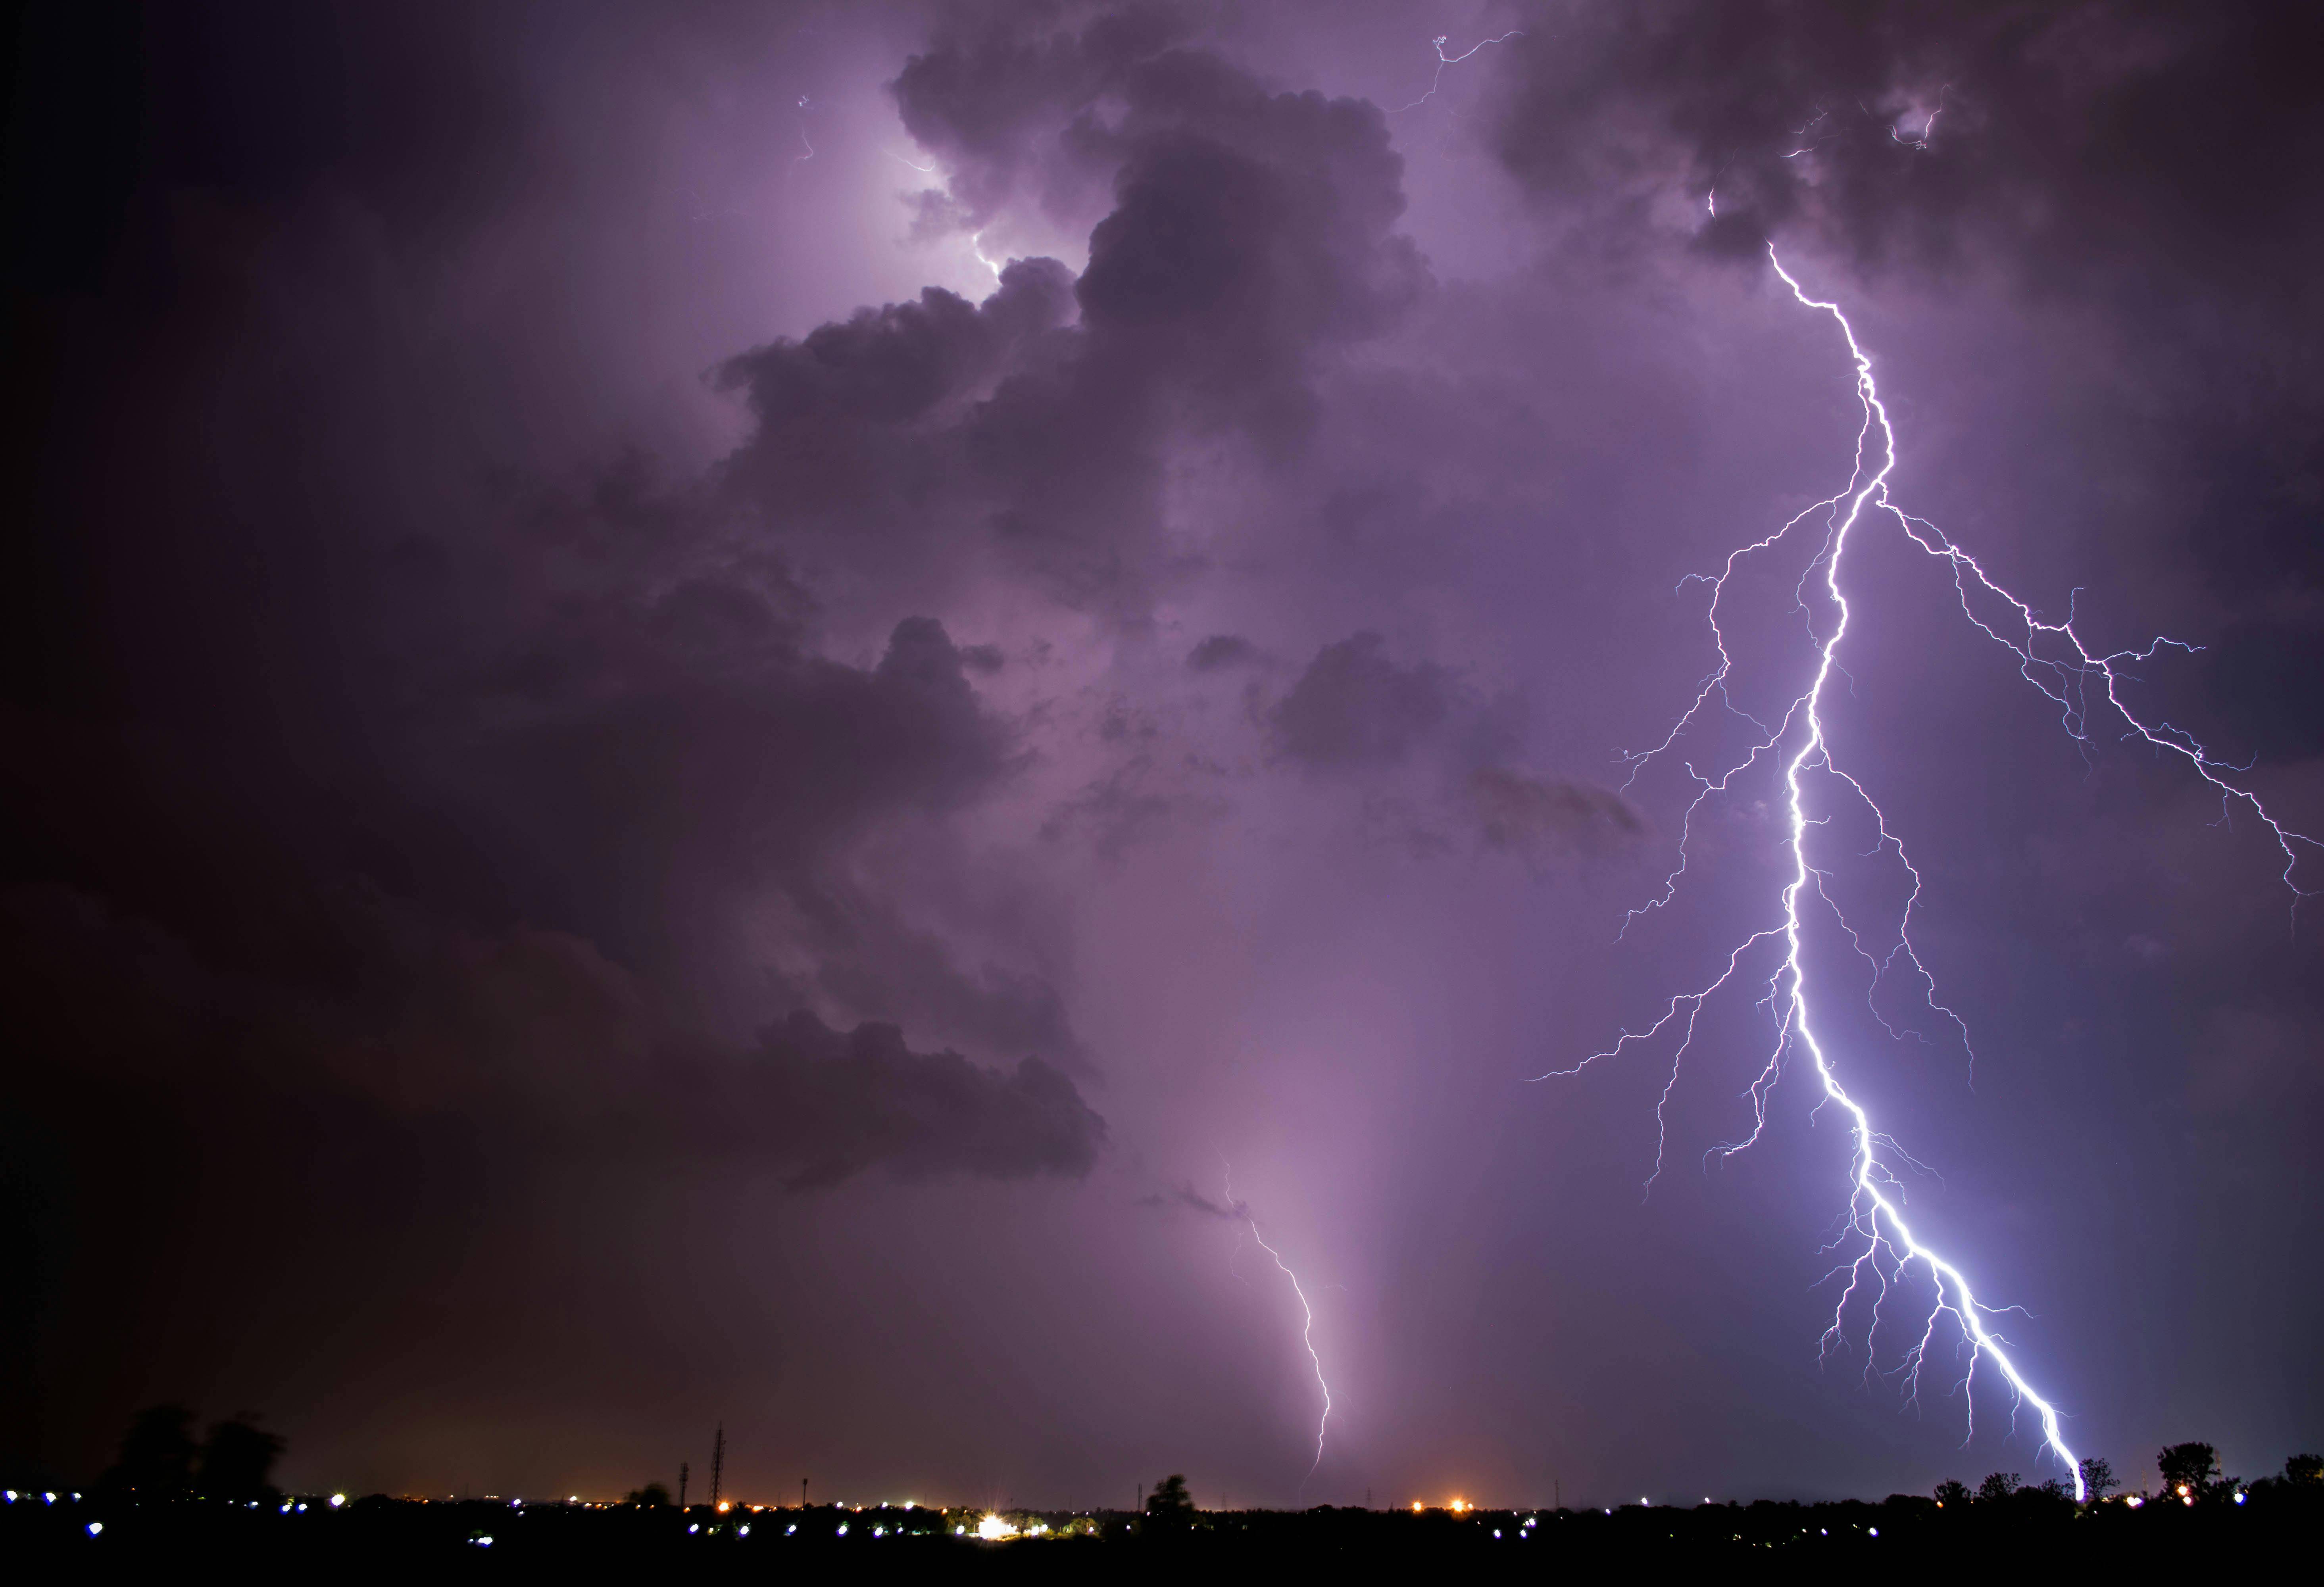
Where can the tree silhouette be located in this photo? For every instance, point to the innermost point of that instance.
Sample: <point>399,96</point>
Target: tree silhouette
<point>651,1495</point>
<point>157,1453</point>
<point>1999,1485</point>
<point>2304,1469</point>
<point>1950,1491</point>
<point>1169,1506</point>
<point>2098,1478</point>
<point>2190,1471</point>
<point>238,1458</point>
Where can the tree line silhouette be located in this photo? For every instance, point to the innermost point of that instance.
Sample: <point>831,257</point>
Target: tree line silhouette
<point>2190,1475</point>
<point>160,1459</point>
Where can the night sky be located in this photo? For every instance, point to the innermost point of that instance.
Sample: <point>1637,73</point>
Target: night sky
<point>753,713</point>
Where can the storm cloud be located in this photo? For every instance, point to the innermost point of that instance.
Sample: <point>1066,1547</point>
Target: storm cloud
<point>1354,705</point>
<point>698,696</point>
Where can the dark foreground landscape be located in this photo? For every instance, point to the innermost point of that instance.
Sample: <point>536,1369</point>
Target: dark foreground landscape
<point>69,1531</point>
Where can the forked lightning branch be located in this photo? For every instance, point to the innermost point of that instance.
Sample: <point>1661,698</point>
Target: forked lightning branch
<point>1878,1246</point>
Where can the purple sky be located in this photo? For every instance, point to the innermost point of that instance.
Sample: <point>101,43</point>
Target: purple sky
<point>645,793</point>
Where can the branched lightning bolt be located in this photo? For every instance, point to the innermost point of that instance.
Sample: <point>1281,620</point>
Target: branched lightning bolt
<point>1880,1246</point>
<point>1444,60</point>
<point>1307,1327</point>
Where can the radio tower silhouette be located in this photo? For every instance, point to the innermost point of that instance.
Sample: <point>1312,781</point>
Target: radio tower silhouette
<point>717,1464</point>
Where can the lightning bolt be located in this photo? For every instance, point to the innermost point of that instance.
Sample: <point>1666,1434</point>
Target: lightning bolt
<point>976,246</point>
<point>1444,60</point>
<point>1879,1245</point>
<point>1241,1210</point>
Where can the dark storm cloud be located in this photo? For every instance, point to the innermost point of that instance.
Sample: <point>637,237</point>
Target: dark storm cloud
<point>880,962</point>
<point>1241,238</point>
<point>994,95</point>
<point>390,824</point>
<point>1545,816</point>
<point>201,1163</point>
<point>1222,650</point>
<point>542,1048</point>
<point>682,754</point>
<point>632,781</point>
<point>862,425</point>
<point>2067,140</point>
<point>1355,707</point>
<point>839,1104</point>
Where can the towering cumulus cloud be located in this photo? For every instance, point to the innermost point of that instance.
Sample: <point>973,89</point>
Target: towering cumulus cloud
<point>1239,240</point>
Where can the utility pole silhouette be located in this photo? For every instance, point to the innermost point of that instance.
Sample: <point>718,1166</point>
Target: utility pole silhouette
<point>717,1464</point>
<point>681,1484</point>
<point>802,1494</point>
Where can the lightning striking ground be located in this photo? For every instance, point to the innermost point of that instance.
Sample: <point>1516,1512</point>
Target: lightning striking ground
<point>1241,1210</point>
<point>1879,1245</point>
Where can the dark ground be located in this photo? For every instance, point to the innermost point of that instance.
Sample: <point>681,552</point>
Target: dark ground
<point>92,1533</point>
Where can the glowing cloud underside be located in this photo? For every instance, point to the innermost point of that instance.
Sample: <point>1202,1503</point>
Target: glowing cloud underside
<point>1877,1243</point>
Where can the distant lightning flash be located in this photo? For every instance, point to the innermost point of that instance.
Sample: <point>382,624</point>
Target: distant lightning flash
<point>2054,657</point>
<point>1241,1210</point>
<point>1444,60</point>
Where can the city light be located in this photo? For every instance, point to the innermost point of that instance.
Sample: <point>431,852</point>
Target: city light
<point>992,1528</point>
